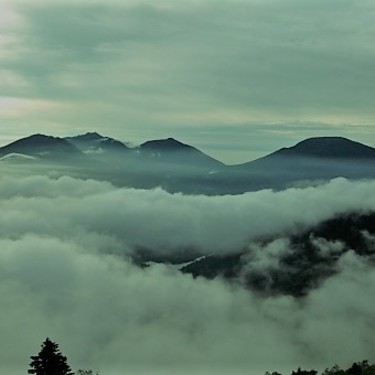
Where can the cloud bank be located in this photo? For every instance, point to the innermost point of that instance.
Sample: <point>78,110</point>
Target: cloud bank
<point>164,222</point>
<point>64,273</point>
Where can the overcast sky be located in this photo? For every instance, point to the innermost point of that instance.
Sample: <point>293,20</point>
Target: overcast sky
<point>237,79</point>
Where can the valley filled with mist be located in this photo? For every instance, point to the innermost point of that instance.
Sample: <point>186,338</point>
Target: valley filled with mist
<point>187,187</point>
<point>139,266</point>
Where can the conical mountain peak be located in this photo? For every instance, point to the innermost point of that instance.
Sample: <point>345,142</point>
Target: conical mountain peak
<point>165,144</point>
<point>40,145</point>
<point>329,147</point>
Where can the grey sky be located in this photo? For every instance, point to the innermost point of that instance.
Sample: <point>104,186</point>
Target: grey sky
<point>237,79</point>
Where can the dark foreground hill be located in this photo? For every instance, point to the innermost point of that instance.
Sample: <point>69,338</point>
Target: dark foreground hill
<point>303,262</point>
<point>357,368</point>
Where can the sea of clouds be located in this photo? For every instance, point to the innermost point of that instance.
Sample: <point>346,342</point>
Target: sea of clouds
<point>66,273</point>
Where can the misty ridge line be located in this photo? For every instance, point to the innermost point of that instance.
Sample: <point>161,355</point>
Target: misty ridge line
<point>311,147</point>
<point>178,167</point>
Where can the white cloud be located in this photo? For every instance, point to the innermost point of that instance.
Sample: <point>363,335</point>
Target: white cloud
<point>63,275</point>
<point>109,315</point>
<point>169,223</point>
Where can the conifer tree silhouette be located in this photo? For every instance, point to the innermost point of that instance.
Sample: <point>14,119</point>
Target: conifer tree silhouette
<point>49,361</point>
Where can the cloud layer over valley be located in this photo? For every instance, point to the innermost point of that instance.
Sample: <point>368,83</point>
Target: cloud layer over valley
<point>164,222</point>
<point>169,281</point>
<point>65,273</point>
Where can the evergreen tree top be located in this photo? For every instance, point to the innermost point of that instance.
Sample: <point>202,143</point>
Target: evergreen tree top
<point>49,361</point>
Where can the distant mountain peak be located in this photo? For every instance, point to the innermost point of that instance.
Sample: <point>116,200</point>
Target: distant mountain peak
<point>94,134</point>
<point>170,150</point>
<point>328,147</point>
<point>39,145</point>
<point>95,142</point>
<point>169,144</point>
<point>326,141</point>
<point>38,137</point>
<point>89,136</point>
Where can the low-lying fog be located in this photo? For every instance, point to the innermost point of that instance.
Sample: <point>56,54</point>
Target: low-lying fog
<point>66,273</point>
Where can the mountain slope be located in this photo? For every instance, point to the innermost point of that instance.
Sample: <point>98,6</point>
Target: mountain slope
<point>174,152</point>
<point>41,146</point>
<point>95,143</point>
<point>328,148</point>
<point>321,158</point>
<point>178,167</point>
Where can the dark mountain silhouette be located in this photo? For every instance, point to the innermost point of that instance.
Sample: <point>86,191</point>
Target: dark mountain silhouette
<point>175,152</point>
<point>321,158</point>
<point>41,146</point>
<point>165,145</point>
<point>326,148</point>
<point>174,166</point>
<point>165,152</point>
<point>178,167</point>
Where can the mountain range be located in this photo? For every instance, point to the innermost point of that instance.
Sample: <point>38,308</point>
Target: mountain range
<point>176,166</point>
